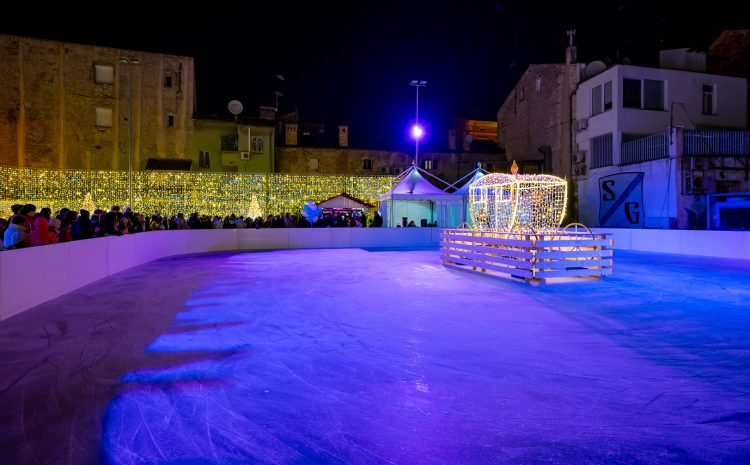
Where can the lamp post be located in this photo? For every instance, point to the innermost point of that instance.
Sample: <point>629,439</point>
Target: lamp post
<point>129,62</point>
<point>416,131</point>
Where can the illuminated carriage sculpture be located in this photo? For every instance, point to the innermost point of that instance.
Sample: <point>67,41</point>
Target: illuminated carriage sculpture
<point>517,232</point>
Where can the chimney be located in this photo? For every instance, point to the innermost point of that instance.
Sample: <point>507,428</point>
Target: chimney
<point>290,134</point>
<point>343,136</point>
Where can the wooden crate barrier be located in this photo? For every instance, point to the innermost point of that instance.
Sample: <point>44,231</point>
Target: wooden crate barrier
<point>530,257</point>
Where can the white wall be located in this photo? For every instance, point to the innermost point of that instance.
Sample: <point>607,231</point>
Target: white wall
<point>726,244</point>
<point>32,276</point>
<point>661,183</point>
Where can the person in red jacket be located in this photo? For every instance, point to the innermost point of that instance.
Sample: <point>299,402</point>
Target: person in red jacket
<point>40,233</point>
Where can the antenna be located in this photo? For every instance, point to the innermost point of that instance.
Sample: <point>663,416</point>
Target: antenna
<point>570,33</point>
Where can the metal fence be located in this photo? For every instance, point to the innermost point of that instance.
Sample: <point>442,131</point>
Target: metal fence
<point>647,148</point>
<point>601,151</point>
<point>716,142</point>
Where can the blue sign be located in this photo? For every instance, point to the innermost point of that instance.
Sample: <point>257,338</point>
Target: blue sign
<point>621,201</point>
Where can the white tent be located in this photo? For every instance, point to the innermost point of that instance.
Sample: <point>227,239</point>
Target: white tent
<point>415,199</point>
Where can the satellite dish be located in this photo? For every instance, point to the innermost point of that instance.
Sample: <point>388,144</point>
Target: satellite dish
<point>592,69</point>
<point>235,107</point>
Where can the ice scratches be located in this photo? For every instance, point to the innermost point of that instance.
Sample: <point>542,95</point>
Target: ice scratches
<point>740,417</point>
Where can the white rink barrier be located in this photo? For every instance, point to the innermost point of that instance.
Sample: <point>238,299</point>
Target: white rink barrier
<point>34,275</point>
<point>724,244</point>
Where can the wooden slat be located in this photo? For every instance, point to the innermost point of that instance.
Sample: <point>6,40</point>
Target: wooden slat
<point>565,264</point>
<point>570,273</point>
<point>573,243</point>
<point>500,269</point>
<point>545,254</point>
<point>489,250</point>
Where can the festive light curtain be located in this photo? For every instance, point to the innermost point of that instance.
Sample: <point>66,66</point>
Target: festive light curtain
<point>170,192</point>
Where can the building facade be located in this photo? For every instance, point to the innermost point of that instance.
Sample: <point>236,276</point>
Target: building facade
<point>534,122</point>
<point>653,142</point>
<point>243,146</point>
<point>449,166</point>
<point>66,105</point>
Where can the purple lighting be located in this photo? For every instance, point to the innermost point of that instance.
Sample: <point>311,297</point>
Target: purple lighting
<point>417,132</point>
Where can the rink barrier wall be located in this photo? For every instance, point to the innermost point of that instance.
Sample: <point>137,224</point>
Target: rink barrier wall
<point>723,244</point>
<point>32,276</point>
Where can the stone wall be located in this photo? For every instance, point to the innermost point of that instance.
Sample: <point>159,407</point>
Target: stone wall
<point>49,96</point>
<point>537,114</point>
<point>446,165</point>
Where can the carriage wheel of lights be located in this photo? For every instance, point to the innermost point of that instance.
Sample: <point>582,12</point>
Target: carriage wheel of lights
<point>578,232</point>
<point>502,202</point>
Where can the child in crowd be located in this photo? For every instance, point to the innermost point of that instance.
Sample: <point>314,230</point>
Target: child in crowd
<point>15,235</point>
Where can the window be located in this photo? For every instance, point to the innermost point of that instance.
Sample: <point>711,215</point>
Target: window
<point>429,164</point>
<point>104,74</point>
<point>607,99</point>
<point>647,94</point>
<point>312,164</point>
<point>631,93</point>
<point>653,94</point>
<point>601,98</point>
<point>596,100</point>
<point>167,80</point>
<point>601,151</point>
<point>256,144</point>
<point>170,120</point>
<point>103,117</point>
<point>708,99</point>
<point>204,159</point>
<point>367,164</point>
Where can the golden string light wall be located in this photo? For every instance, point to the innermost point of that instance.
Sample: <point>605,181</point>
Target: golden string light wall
<point>171,192</point>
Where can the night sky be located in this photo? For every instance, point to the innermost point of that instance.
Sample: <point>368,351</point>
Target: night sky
<point>351,62</point>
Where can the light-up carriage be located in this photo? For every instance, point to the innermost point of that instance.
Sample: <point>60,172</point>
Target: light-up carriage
<point>517,232</point>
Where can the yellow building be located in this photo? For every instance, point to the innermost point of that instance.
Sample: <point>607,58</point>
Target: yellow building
<point>66,105</point>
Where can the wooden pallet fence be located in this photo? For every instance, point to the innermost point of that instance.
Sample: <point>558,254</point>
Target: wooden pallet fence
<point>546,257</point>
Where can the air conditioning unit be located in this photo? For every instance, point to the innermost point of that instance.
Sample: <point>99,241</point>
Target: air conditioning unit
<point>579,170</point>
<point>579,157</point>
<point>581,124</point>
<point>244,155</point>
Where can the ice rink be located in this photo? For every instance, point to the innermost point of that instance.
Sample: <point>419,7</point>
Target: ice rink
<point>352,356</point>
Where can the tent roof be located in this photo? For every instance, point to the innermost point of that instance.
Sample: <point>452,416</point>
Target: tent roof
<point>344,200</point>
<point>463,190</point>
<point>415,184</point>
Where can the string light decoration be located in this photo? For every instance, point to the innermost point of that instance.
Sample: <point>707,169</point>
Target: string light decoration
<point>502,202</point>
<point>253,211</point>
<point>172,192</point>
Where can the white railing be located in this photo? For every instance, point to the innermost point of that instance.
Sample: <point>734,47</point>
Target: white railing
<point>647,148</point>
<point>713,142</point>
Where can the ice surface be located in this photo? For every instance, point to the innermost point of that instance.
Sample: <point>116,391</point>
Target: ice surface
<point>354,356</point>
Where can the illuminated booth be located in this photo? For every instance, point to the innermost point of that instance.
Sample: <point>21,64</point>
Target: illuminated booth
<point>414,198</point>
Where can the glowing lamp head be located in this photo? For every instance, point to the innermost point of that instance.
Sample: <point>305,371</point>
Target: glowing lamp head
<point>417,132</point>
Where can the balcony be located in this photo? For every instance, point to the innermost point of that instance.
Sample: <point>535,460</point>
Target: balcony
<point>645,149</point>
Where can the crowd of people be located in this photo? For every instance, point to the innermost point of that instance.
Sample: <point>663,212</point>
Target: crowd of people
<point>28,227</point>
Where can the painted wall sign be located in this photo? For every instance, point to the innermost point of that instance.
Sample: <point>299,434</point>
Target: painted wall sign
<point>621,201</point>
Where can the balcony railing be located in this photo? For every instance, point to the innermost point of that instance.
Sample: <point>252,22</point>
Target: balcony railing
<point>647,148</point>
<point>712,142</point>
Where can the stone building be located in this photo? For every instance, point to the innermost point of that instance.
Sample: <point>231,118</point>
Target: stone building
<point>65,105</point>
<point>449,166</point>
<point>534,122</point>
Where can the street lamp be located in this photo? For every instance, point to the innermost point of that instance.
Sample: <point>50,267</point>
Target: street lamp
<point>416,131</point>
<point>129,62</point>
